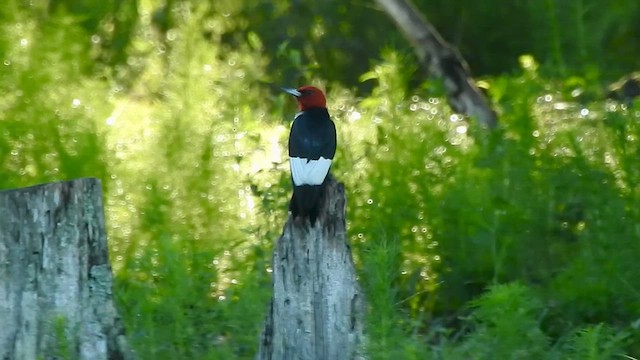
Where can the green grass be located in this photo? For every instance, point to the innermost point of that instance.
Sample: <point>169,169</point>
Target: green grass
<point>520,243</point>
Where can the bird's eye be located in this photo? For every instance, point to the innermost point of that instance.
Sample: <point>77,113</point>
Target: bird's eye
<point>306,92</point>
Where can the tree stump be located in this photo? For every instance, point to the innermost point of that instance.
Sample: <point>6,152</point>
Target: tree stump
<point>55,277</point>
<point>317,308</point>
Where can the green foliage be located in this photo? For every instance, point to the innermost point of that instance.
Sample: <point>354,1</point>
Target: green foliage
<point>540,201</point>
<point>386,326</point>
<point>520,243</point>
<point>62,344</point>
<point>505,326</point>
<point>49,131</point>
<point>190,255</point>
<point>595,343</point>
<point>338,41</point>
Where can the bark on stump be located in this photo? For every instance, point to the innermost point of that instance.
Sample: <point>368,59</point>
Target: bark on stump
<point>317,308</point>
<point>55,277</point>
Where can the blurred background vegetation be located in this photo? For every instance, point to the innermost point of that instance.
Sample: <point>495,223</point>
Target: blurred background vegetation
<point>521,243</point>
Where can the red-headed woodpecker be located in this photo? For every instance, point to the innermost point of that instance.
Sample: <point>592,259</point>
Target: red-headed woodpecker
<point>312,145</point>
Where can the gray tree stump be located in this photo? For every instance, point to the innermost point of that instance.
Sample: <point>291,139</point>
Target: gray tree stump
<point>317,308</point>
<point>55,277</point>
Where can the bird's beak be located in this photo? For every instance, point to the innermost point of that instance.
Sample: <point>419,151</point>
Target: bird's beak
<point>293,92</point>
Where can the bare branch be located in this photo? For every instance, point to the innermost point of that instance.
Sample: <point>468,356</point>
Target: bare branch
<point>442,60</point>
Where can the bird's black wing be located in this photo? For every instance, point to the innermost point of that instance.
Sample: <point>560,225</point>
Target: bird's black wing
<point>312,145</point>
<point>313,135</point>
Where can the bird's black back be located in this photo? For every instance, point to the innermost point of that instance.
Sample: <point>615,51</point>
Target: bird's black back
<point>313,135</point>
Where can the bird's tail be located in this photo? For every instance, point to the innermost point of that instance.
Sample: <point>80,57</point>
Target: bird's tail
<point>305,201</point>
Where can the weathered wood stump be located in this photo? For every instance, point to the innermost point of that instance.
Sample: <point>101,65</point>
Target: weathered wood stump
<point>317,308</point>
<point>55,277</point>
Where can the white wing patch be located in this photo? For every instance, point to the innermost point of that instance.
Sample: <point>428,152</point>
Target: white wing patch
<point>309,172</point>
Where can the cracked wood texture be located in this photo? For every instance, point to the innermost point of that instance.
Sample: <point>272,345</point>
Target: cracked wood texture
<point>317,308</point>
<point>442,61</point>
<point>55,277</point>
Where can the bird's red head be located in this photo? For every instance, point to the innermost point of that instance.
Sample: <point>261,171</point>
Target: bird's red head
<point>308,97</point>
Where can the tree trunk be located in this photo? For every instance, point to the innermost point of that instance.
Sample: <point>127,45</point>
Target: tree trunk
<point>442,60</point>
<point>55,277</point>
<point>317,308</point>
